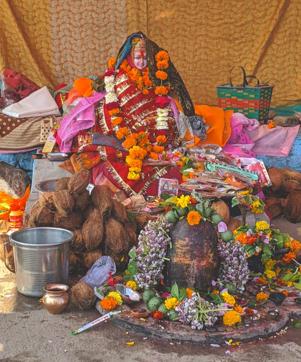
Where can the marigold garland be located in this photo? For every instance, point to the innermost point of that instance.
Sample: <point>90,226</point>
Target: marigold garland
<point>262,297</point>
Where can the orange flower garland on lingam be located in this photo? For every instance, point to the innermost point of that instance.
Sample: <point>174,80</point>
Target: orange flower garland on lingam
<point>138,144</point>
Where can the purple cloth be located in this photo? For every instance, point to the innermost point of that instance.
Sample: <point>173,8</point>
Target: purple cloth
<point>81,117</point>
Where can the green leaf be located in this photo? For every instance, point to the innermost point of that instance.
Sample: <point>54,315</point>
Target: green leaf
<point>132,253</point>
<point>200,208</point>
<point>216,298</point>
<point>288,277</point>
<point>231,288</point>
<point>234,202</point>
<point>297,324</point>
<point>182,293</point>
<point>132,267</point>
<point>175,291</point>
<point>297,285</point>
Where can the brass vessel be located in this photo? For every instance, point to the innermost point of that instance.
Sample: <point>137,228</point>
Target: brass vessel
<point>56,298</point>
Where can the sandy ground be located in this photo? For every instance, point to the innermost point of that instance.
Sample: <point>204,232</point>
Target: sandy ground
<point>29,333</point>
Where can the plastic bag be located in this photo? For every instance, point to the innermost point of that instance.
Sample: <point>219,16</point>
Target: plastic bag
<point>100,271</point>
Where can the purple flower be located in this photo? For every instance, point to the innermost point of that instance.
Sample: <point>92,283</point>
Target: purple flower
<point>222,227</point>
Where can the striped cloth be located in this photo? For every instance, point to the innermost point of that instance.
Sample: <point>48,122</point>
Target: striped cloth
<point>18,134</point>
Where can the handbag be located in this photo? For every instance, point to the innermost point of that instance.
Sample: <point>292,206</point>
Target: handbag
<point>253,101</point>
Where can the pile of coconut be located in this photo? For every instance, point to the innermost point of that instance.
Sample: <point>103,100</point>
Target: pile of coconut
<point>100,223</point>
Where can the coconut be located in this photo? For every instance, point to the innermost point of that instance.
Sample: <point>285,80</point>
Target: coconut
<point>46,199</point>
<point>93,230</point>
<point>63,202</point>
<point>79,182</point>
<point>116,239</point>
<point>62,183</point>
<point>82,295</point>
<point>101,197</point>
<point>276,175</point>
<point>90,258</point>
<point>222,209</point>
<point>233,224</point>
<point>78,243</point>
<point>82,201</point>
<point>119,212</point>
<point>70,222</point>
<point>292,210</point>
<point>42,216</point>
<point>131,230</point>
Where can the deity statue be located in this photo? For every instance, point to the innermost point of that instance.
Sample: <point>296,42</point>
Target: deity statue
<point>144,112</point>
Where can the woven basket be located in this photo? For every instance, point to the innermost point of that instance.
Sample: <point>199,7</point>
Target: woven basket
<point>252,101</point>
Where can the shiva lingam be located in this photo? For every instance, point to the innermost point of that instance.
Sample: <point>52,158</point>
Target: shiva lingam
<point>56,298</point>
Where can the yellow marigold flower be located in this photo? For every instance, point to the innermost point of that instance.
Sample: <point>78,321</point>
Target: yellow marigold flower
<point>270,264</point>
<point>228,298</point>
<point>133,176</point>
<point>262,226</point>
<point>132,284</point>
<point>171,303</point>
<point>270,274</point>
<point>183,201</point>
<point>262,297</point>
<point>231,318</point>
<point>116,296</point>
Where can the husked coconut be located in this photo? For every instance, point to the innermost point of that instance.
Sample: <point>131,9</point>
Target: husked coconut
<point>79,182</point>
<point>101,197</point>
<point>92,230</point>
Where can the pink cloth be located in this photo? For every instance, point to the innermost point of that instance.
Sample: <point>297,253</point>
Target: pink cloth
<point>249,138</point>
<point>240,143</point>
<point>81,117</point>
<point>276,141</point>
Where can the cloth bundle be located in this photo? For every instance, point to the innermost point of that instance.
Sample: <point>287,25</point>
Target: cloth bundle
<point>37,104</point>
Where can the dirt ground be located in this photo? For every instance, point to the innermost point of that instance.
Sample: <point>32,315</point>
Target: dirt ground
<point>29,333</point>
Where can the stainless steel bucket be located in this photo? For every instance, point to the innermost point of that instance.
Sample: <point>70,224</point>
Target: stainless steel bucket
<point>41,256</point>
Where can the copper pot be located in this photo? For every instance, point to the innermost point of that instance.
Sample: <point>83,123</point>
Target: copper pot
<point>56,298</point>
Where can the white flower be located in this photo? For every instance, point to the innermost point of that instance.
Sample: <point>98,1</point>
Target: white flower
<point>109,79</point>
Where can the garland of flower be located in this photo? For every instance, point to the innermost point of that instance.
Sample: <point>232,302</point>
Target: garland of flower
<point>138,144</point>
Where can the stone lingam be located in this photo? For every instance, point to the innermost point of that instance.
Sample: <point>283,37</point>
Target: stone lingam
<point>194,260</point>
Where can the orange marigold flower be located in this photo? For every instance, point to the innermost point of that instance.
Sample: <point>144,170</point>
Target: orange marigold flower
<point>295,246</point>
<point>129,142</point>
<point>145,91</point>
<point>160,74</point>
<point>161,90</point>
<point>288,257</point>
<point>111,62</point>
<point>262,297</point>
<point>116,121</point>
<point>132,162</point>
<point>108,303</point>
<point>161,139</point>
<point>239,309</point>
<point>189,292</point>
<point>158,149</point>
<point>124,65</point>
<point>162,55</point>
<point>261,280</point>
<point>194,218</point>
<point>137,152</point>
<point>163,64</point>
<point>122,132</point>
<point>154,155</point>
<point>114,111</point>
<point>157,314</point>
<point>271,124</point>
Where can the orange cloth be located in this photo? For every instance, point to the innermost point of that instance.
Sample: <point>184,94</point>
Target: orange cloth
<point>218,120</point>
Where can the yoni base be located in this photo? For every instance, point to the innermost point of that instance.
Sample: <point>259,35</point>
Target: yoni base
<point>270,323</point>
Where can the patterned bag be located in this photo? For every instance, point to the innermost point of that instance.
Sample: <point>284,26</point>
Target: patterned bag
<point>253,102</point>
